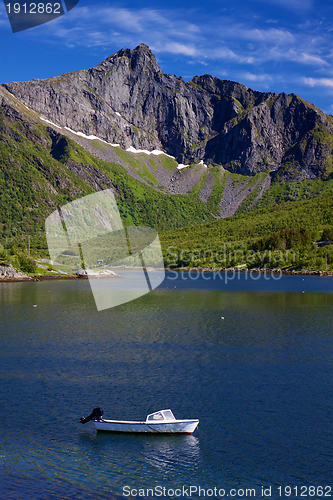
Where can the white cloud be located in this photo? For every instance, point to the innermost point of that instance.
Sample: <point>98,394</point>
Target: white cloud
<point>292,4</point>
<point>225,53</point>
<point>318,82</point>
<point>310,59</point>
<point>294,55</point>
<point>179,48</point>
<point>271,35</point>
<point>257,78</point>
<point>162,30</point>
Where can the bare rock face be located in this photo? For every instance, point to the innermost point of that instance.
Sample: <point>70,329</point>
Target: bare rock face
<point>128,100</point>
<point>10,272</point>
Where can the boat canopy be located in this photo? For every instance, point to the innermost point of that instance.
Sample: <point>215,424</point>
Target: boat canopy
<point>161,415</point>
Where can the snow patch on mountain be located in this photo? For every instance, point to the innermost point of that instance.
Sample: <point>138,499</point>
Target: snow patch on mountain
<point>51,123</point>
<point>131,149</point>
<point>155,152</point>
<point>91,137</point>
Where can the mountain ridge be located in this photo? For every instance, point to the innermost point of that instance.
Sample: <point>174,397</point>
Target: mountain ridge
<point>127,99</point>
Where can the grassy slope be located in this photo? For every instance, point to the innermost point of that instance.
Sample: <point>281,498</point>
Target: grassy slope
<point>247,236</point>
<point>139,203</point>
<point>33,183</point>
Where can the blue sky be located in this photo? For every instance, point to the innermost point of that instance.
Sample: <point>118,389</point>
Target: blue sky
<point>269,45</point>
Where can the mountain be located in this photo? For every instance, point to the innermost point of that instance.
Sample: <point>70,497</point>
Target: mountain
<point>128,100</point>
<point>44,165</point>
<point>42,168</point>
<point>175,153</point>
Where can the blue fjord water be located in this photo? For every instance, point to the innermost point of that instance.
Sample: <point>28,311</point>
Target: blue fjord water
<point>260,381</point>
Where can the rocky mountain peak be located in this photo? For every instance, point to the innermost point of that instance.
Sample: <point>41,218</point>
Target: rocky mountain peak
<point>139,59</point>
<point>127,99</point>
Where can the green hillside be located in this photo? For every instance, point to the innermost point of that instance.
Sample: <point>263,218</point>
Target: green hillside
<point>282,236</point>
<point>36,178</point>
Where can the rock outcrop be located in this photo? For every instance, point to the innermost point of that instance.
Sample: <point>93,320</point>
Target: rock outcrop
<point>128,100</point>
<point>107,273</point>
<point>10,272</point>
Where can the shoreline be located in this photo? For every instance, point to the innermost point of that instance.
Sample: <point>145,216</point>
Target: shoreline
<point>46,277</point>
<point>286,272</point>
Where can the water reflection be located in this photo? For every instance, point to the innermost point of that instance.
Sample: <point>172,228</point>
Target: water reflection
<point>148,458</point>
<point>179,451</point>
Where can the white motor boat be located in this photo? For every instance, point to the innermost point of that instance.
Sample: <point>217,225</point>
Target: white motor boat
<point>159,422</point>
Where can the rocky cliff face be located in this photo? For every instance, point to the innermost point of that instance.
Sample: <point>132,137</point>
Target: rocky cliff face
<point>128,100</point>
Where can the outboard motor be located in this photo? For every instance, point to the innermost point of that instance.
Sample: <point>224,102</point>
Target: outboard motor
<point>96,414</point>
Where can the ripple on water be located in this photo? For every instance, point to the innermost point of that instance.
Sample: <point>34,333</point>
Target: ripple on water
<point>260,381</point>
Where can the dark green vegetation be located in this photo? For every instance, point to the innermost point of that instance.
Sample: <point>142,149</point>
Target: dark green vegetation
<point>282,236</point>
<point>280,193</point>
<point>18,258</point>
<point>32,182</point>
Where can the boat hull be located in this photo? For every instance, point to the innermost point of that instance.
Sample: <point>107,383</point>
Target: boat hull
<point>175,427</point>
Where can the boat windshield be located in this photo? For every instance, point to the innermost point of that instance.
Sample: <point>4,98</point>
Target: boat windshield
<point>156,416</point>
<point>161,415</point>
<point>168,415</point>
